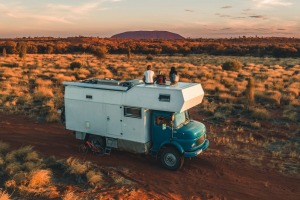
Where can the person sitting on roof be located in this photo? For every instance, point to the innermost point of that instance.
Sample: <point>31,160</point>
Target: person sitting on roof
<point>174,77</point>
<point>149,75</point>
<point>161,78</point>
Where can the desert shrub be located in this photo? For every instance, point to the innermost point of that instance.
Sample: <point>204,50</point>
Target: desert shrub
<point>75,166</point>
<point>149,57</point>
<point>3,147</point>
<point>208,108</point>
<point>94,177</point>
<point>70,195</point>
<point>225,97</point>
<point>291,113</point>
<point>13,168</point>
<point>259,113</point>
<point>270,97</point>
<point>19,154</point>
<point>39,178</point>
<point>41,93</point>
<point>232,65</point>
<point>42,82</point>
<point>4,195</point>
<point>53,116</point>
<point>75,65</point>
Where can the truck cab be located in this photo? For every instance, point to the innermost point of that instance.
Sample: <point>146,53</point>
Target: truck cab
<point>176,136</point>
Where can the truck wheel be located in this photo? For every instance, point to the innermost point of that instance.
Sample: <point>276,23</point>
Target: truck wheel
<point>171,159</point>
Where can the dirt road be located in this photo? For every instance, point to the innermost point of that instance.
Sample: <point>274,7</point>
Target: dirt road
<point>204,177</point>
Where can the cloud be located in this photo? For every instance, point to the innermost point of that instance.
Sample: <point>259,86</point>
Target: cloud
<point>222,15</point>
<point>258,16</point>
<point>226,7</point>
<point>188,10</point>
<point>80,9</point>
<point>57,13</point>
<point>267,3</point>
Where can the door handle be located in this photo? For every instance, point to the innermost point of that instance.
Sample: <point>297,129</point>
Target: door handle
<point>108,118</point>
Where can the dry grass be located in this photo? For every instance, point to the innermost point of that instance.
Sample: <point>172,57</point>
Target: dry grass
<point>54,179</point>
<point>39,178</point>
<point>4,195</point>
<point>275,84</point>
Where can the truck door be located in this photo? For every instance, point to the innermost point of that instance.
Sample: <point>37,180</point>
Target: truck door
<point>114,120</point>
<point>161,128</point>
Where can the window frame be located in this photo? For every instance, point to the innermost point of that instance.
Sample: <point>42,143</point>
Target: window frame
<point>127,112</point>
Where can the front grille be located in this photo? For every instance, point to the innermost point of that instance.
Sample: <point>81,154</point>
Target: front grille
<point>201,140</point>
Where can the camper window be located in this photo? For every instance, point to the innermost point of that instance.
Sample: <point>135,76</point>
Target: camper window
<point>133,112</point>
<point>164,97</point>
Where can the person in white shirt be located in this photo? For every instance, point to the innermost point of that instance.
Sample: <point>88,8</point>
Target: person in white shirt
<point>149,75</point>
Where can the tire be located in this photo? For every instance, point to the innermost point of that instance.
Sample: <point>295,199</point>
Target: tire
<point>171,159</point>
<point>84,148</point>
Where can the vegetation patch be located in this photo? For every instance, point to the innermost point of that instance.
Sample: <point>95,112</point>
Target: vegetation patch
<point>25,174</point>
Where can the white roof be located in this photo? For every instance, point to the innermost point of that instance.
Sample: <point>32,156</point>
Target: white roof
<point>176,98</point>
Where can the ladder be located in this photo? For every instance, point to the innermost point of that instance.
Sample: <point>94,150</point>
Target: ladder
<point>109,144</point>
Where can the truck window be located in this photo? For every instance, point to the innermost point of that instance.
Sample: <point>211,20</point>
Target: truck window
<point>181,118</point>
<point>160,120</point>
<point>133,112</point>
<point>164,97</point>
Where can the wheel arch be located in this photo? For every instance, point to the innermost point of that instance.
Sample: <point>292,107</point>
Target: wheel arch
<point>174,145</point>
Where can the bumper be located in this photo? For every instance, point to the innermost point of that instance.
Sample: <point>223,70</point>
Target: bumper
<point>198,151</point>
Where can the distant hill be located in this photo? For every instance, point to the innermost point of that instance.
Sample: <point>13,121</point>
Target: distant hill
<point>148,35</point>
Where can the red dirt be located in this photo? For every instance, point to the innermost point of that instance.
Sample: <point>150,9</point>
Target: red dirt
<point>204,177</point>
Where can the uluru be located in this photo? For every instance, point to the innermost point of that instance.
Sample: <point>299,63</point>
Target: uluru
<point>148,35</point>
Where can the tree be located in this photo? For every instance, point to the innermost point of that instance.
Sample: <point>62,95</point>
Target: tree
<point>4,52</point>
<point>128,52</point>
<point>22,47</point>
<point>50,49</point>
<point>100,52</point>
<point>250,91</point>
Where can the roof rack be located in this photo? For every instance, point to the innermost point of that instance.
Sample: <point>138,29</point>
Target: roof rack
<point>108,84</point>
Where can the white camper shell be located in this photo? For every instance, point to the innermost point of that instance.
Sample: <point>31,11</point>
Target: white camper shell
<point>121,111</point>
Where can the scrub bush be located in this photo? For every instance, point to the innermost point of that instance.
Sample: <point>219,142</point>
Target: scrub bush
<point>232,65</point>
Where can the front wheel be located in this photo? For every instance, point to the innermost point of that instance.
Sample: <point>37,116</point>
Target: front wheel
<point>171,159</point>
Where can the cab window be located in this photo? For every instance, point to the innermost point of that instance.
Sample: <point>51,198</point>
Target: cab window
<point>160,120</point>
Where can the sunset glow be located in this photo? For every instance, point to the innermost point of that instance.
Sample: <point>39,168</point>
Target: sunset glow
<point>190,18</point>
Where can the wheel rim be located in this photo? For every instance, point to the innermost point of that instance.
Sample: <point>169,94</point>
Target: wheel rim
<point>170,159</point>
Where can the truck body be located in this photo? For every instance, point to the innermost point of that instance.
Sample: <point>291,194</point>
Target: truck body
<point>137,117</point>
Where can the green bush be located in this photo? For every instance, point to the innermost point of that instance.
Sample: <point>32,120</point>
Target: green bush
<point>75,65</point>
<point>232,65</point>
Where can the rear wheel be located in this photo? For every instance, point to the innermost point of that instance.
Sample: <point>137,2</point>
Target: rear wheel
<point>171,159</point>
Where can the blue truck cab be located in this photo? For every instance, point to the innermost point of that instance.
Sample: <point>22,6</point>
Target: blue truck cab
<point>176,136</point>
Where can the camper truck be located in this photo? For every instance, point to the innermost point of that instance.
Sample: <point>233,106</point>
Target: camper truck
<point>137,117</point>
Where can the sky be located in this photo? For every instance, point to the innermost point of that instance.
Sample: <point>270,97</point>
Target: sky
<point>189,18</point>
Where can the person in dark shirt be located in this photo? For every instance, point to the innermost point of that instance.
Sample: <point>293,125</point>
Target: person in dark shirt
<point>173,75</point>
<point>161,78</point>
